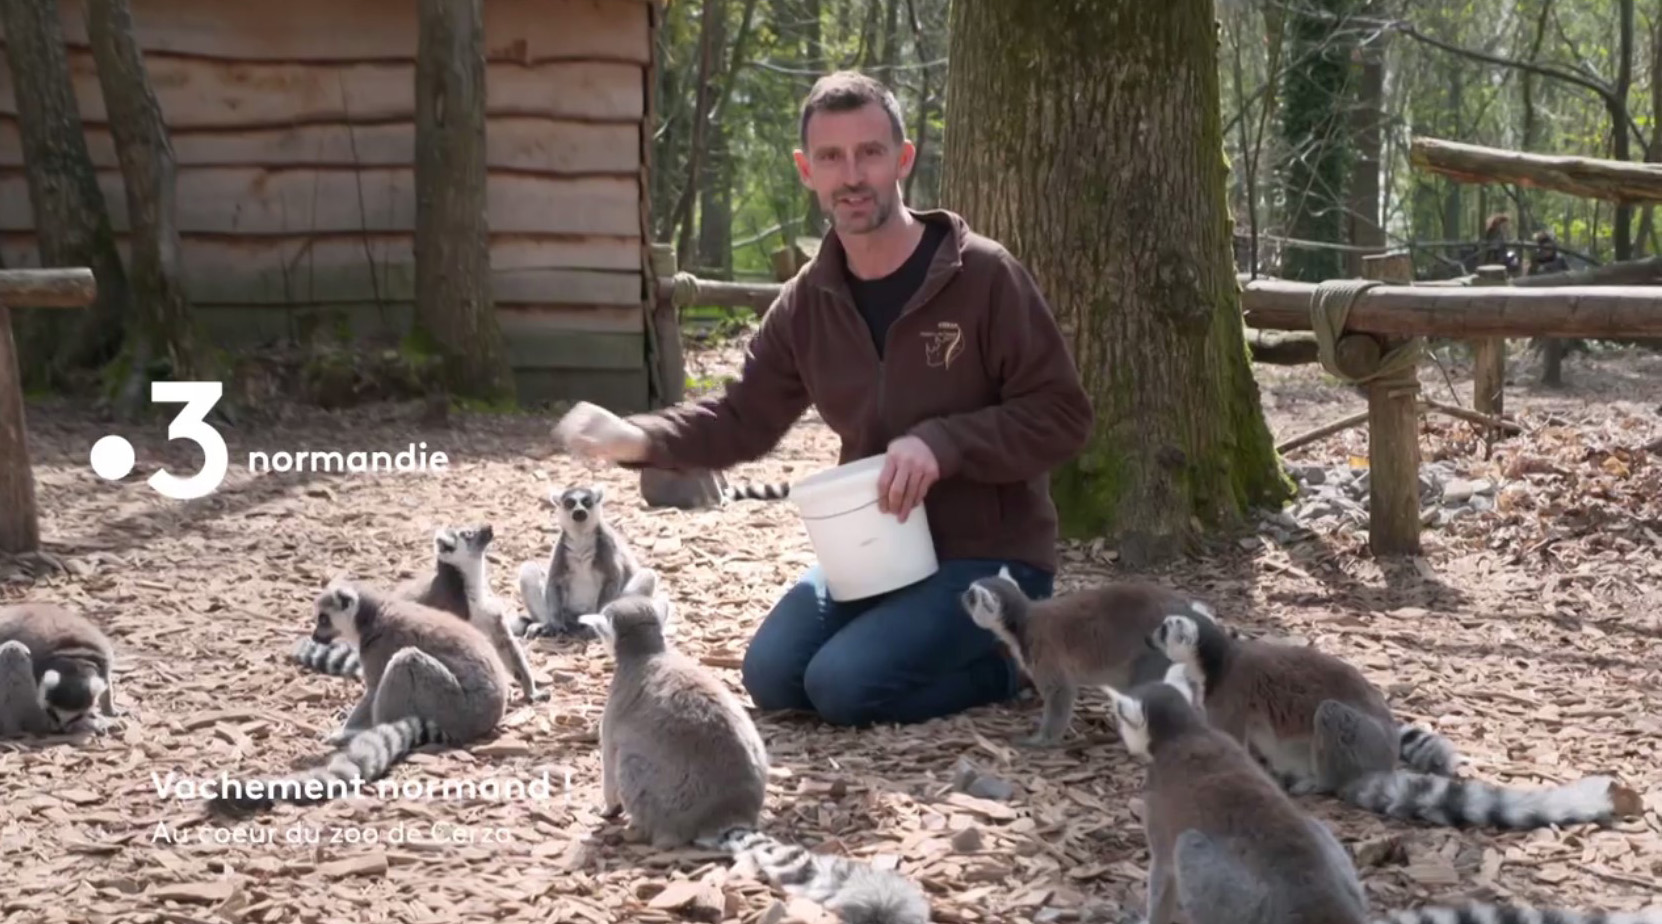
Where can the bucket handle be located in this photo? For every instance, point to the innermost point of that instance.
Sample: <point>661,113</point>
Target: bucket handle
<point>842,513</point>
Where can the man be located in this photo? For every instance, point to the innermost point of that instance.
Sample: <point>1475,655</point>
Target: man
<point>914,337</point>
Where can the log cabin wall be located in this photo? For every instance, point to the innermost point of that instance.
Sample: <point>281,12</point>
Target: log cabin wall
<point>293,127</point>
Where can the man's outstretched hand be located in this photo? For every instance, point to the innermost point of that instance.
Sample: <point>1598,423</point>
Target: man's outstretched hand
<point>592,432</point>
<point>909,471</point>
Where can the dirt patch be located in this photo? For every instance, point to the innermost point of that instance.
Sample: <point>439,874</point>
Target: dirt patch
<point>1528,633</point>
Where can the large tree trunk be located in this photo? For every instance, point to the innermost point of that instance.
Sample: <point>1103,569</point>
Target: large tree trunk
<point>454,309</point>
<point>1091,145</point>
<point>163,327</point>
<point>72,224</point>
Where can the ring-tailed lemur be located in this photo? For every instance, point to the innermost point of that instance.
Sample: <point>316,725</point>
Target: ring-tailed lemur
<point>700,489</point>
<point>1227,845</point>
<point>588,568</point>
<point>56,672</point>
<point>1090,637</point>
<point>459,583</point>
<point>680,755</point>
<point>1319,726</point>
<point>429,678</point>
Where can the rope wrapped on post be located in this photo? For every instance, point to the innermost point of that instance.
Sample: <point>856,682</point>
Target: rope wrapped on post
<point>685,289</point>
<point>1330,307</point>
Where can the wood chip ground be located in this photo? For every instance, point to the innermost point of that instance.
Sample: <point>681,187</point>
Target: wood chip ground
<point>1528,633</point>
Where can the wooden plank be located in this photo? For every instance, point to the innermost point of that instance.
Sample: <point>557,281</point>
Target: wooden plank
<point>526,143</point>
<point>249,326</point>
<point>299,251</point>
<point>208,94</point>
<point>356,30</point>
<point>568,349</point>
<point>536,320</point>
<point>59,287</point>
<point>1584,177</point>
<point>621,391</point>
<point>246,200</point>
<point>1642,272</point>
<point>338,270</point>
<point>1509,311</point>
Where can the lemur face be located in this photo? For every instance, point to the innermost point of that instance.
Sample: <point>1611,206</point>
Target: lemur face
<point>455,545</point>
<point>337,613</point>
<point>576,506</point>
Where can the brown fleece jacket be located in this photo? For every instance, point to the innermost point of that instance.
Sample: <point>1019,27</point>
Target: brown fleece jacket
<point>974,366</point>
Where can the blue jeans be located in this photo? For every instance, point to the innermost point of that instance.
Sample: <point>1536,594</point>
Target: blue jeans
<point>907,656</point>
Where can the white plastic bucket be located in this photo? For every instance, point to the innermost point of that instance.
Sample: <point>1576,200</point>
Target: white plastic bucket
<point>862,551</point>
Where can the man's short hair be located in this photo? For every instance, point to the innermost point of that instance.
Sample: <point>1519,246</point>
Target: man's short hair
<point>846,91</point>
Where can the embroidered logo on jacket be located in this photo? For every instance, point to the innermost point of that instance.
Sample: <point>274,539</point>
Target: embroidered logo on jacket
<point>942,345</point>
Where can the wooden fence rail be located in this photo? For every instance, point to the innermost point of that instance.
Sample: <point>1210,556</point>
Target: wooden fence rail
<point>1483,310</point>
<point>31,288</point>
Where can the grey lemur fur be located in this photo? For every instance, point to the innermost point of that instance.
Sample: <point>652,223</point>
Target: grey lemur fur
<point>681,756</point>
<point>588,568</point>
<point>56,672</point>
<point>458,584</point>
<point>1092,637</point>
<point>1227,845</point>
<point>1320,726</point>
<point>429,678</point>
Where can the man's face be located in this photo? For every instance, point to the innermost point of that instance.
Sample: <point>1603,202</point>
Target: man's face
<point>853,164</point>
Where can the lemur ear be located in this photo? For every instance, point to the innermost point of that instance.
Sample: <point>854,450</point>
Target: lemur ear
<point>644,582</point>
<point>1128,708</point>
<point>601,625</point>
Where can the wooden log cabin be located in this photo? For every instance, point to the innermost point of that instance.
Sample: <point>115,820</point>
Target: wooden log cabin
<point>293,127</point>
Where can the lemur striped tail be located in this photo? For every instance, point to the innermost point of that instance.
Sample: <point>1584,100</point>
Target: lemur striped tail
<point>365,758</point>
<point>858,892</point>
<point>1426,751</point>
<point>1511,914</point>
<point>1463,803</point>
<point>774,491</point>
<point>337,659</point>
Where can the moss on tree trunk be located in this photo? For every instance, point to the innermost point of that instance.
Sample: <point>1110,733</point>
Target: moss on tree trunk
<point>71,221</point>
<point>455,314</point>
<point>1088,140</point>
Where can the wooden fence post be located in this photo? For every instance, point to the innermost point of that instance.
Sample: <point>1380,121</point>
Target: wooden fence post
<point>666,326</point>
<point>19,520</point>
<point>1489,360</point>
<point>1393,434</point>
<point>43,288</point>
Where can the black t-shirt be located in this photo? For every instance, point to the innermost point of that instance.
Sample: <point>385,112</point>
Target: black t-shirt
<point>880,300</point>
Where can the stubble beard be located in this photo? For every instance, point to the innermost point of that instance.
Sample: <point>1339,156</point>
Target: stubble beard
<point>881,211</point>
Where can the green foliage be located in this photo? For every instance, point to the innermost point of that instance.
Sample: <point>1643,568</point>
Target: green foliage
<point>787,45</point>
<point>1435,93</point>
